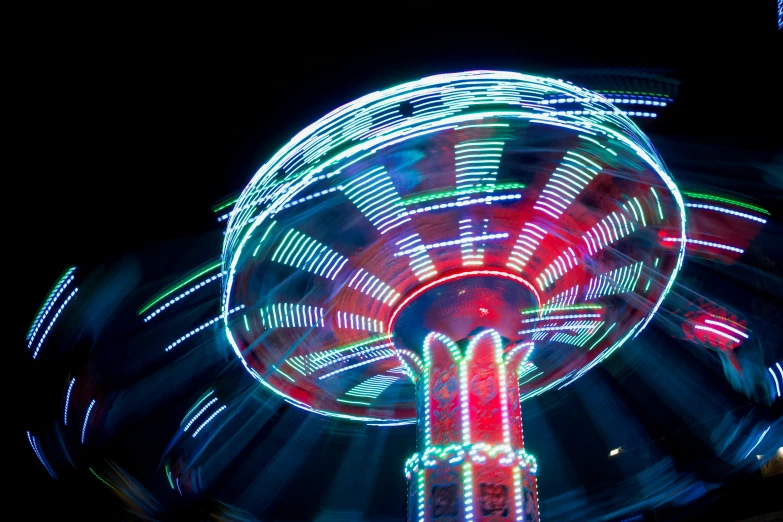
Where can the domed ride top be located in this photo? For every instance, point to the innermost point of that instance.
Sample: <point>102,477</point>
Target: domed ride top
<point>481,199</point>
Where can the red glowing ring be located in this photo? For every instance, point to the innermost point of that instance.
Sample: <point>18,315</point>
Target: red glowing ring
<point>452,277</point>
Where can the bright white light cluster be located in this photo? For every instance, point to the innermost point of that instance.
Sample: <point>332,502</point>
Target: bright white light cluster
<point>201,328</point>
<point>527,242</point>
<point>374,287</point>
<point>183,295</point>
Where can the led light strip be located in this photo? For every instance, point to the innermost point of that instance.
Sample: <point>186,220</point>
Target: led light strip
<point>201,328</point>
<point>775,378</point>
<point>183,295</point>
<point>705,243</point>
<point>68,401</point>
<point>726,211</point>
<point>303,252</point>
<point>709,197</point>
<point>419,248</point>
<point>87,418</point>
<point>566,183</point>
<point>465,203</point>
<point>34,445</point>
<point>209,419</point>
<point>572,325</point>
<point>386,355</point>
<point>557,269</point>
<point>606,230</point>
<point>51,323</point>
<point>476,163</point>
<point>592,112</point>
<point>562,301</point>
<point>197,415</point>
<point>527,242</point>
<point>373,287</point>
<point>376,197</point>
<point>358,322</point>
<point>291,315</point>
<point>46,307</point>
<point>555,317</point>
<point>373,387</point>
<point>617,281</point>
<point>420,262</point>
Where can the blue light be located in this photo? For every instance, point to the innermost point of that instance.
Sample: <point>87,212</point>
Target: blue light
<point>86,418</point>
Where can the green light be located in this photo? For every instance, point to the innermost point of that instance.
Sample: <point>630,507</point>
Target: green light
<point>449,193</point>
<point>573,307</point>
<point>101,479</point>
<point>648,285</point>
<point>168,476</point>
<point>176,286</point>
<point>283,374</point>
<point>198,403</point>
<point>602,337</point>
<point>734,202</point>
<point>247,326</point>
<point>225,203</point>
<point>482,125</point>
<point>633,92</point>
<point>65,274</point>
<point>354,402</point>
<point>261,242</point>
<point>530,379</point>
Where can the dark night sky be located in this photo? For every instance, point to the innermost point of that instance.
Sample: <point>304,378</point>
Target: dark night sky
<point>134,124</point>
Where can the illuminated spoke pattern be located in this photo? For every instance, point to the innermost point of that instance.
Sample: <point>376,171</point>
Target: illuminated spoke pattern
<point>476,163</point>
<point>301,251</point>
<point>291,315</point>
<point>372,388</point>
<point>472,255</point>
<point>358,322</point>
<point>617,281</point>
<point>374,195</point>
<point>569,179</point>
<point>558,268</point>
<point>526,244</point>
<point>307,364</point>
<point>564,299</point>
<point>51,323</point>
<point>368,284</point>
<point>420,261</point>
<point>610,229</point>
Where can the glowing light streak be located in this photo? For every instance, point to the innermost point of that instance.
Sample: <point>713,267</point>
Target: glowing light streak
<point>547,310</point>
<point>617,281</point>
<point>87,418</point>
<point>68,401</point>
<point>94,474</point>
<point>483,237</point>
<point>726,211</point>
<point>476,163</point>
<point>727,327</point>
<point>775,378</point>
<point>176,286</point>
<point>574,316</point>
<point>558,268</point>
<point>462,192</point>
<point>200,412</point>
<point>358,322</point>
<point>717,332</point>
<point>574,325</point>
<point>353,402</point>
<point>198,403</point>
<point>385,355</point>
<point>709,197</point>
<point>34,445</point>
<point>200,328</point>
<point>54,319</point>
<point>561,189</point>
<point>705,243</point>
<point>183,295</point>
<point>48,303</point>
<point>420,262</point>
<point>209,419</point>
<point>757,443</point>
<point>658,201</point>
<point>602,337</point>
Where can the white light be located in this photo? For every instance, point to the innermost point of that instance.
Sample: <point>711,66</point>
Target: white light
<point>614,452</point>
<point>727,327</point>
<point>717,332</point>
<point>706,243</point>
<point>726,211</point>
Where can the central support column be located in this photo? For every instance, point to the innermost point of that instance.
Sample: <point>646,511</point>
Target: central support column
<point>471,465</point>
